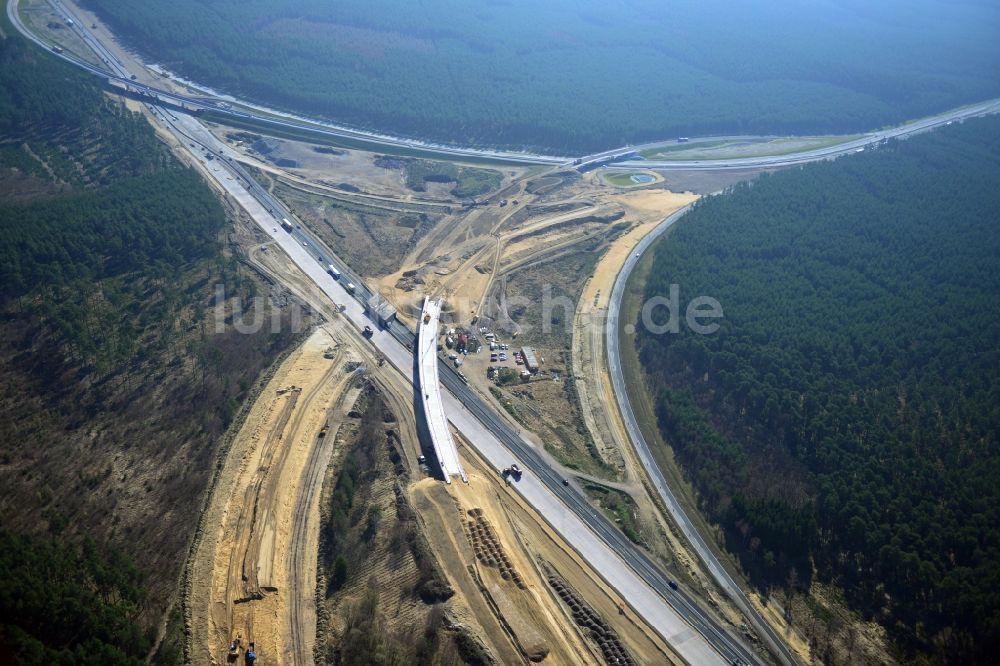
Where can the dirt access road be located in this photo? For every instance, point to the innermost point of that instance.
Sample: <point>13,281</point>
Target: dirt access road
<point>254,573</point>
<point>650,207</point>
<point>594,386</point>
<point>604,421</point>
<point>500,557</point>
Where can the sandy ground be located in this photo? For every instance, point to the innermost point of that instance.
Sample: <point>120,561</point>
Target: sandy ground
<point>246,581</point>
<point>772,613</point>
<point>265,464</point>
<point>594,387</point>
<point>649,207</point>
<point>464,255</point>
<point>506,587</point>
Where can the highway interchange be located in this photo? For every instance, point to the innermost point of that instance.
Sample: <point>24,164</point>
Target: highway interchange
<point>624,567</point>
<point>640,581</point>
<point>247,111</point>
<point>642,585</point>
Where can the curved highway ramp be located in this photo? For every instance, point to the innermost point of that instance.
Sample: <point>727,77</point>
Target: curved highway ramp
<point>430,392</point>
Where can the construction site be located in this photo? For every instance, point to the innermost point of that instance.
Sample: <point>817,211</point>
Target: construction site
<point>283,572</point>
<point>445,467</point>
<point>514,588</point>
<point>280,564</point>
<point>521,277</point>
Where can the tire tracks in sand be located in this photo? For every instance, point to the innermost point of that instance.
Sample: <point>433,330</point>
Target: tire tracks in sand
<point>254,575</point>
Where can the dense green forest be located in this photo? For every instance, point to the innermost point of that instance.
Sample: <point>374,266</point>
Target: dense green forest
<point>118,207</point>
<point>116,391</point>
<point>71,605</point>
<point>843,421</point>
<point>564,75</point>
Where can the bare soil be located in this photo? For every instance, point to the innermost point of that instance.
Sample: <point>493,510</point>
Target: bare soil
<point>241,577</point>
<point>500,555</point>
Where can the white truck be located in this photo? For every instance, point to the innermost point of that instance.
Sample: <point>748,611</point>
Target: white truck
<point>333,271</point>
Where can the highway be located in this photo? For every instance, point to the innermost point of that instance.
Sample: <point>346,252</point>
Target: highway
<point>774,642</point>
<point>489,433</point>
<point>222,107</point>
<point>627,568</point>
<point>642,586</point>
<point>636,559</point>
<point>803,157</point>
<point>116,75</point>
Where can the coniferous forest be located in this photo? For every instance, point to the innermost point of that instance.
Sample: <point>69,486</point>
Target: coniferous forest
<point>843,421</point>
<point>570,76</point>
<point>115,394</point>
<point>842,426</point>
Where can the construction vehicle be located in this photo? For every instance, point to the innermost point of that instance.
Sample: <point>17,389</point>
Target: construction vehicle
<point>368,331</point>
<point>234,650</point>
<point>251,654</point>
